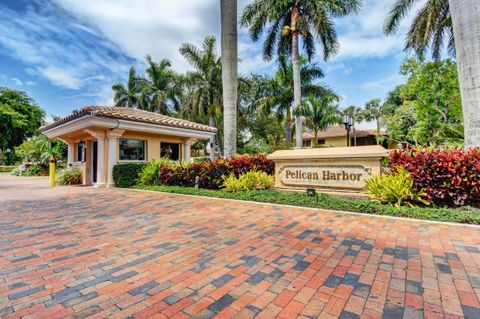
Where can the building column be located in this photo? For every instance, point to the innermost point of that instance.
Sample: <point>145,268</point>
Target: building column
<point>100,162</point>
<point>112,154</point>
<point>187,150</point>
<point>70,153</point>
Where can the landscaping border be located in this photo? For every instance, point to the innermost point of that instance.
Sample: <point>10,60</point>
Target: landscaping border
<point>332,203</point>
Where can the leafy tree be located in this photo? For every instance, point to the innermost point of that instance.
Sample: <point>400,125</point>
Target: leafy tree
<point>20,118</point>
<point>427,109</point>
<point>129,95</point>
<point>320,113</point>
<point>290,19</point>
<point>374,112</point>
<point>357,114</point>
<point>430,29</point>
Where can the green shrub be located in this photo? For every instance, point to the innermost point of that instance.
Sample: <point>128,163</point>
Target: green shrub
<point>150,174</point>
<point>36,170</point>
<point>6,169</point>
<point>127,174</point>
<point>396,188</point>
<point>253,180</point>
<point>69,176</point>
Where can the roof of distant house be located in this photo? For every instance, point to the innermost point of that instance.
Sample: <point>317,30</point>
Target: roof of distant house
<point>338,131</point>
<point>131,114</point>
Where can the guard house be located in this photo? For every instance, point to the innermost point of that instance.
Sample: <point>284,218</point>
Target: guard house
<point>99,137</point>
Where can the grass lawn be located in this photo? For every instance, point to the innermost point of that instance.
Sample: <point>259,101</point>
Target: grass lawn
<point>467,215</point>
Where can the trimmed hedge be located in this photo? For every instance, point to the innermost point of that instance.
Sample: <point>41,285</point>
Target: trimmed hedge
<point>127,174</point>
<point>449,177</point>
<point>6,169</point>
<point>467,215</point>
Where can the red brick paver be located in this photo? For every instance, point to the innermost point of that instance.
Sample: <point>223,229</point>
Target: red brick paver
<point>109,253</point>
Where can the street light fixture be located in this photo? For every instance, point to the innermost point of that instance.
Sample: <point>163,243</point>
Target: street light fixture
<point>348,122</point>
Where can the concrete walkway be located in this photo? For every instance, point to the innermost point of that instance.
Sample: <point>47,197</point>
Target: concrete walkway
<point>80,252</point>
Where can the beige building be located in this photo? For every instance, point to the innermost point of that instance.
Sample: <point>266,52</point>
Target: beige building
<point>336,136</point>
<point>100,137</point>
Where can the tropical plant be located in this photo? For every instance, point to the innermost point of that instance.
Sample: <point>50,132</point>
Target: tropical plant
<point>396,187</point>
<point>205,96</point>
<point>357,114</point>
<point>149,175</point>
<point>310,19</point>
<point>320,113</point>
<point>229,75</point>
<point>40,149</point>
<point>20,118</point>
<point>430,29</point>
<point>160,89</point>
<point>279,97</point>
<point>127,96</point>
<point>253,180</point>
<point>449,177</point>
<point>69,176</point>
<point>373,112</point>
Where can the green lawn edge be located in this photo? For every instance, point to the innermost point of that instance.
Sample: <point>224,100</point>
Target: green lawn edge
<point>467,215</point>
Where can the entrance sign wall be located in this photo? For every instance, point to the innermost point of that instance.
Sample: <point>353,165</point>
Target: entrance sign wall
<point>339,169</point>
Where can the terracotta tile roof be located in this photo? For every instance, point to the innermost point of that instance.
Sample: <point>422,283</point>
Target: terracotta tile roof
<point>338,131</point>
<point>131,114</point>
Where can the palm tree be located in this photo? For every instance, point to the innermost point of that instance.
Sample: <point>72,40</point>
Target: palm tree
<point>466,28</point>
<point>357,116</point>
<point>373,112</point>
<point>293,18</point>
<point>320,113</point>
<point>127,96</point>
<point>229,75</point>
<point>431,27</point>
<point>205,81</point>
<point>279,96</point>
<point>160,89</point>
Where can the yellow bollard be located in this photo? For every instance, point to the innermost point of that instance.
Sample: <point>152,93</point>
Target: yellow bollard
<point>53,167</point>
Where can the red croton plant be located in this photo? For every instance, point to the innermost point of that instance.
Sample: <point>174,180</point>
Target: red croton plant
<point>450,177</point>
<point>211,173</point>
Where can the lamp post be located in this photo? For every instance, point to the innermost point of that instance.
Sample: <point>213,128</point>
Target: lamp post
<point>348,122</point>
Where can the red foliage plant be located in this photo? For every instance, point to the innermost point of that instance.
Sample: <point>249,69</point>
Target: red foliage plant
<point>450,177</point>
<point>211,173</point>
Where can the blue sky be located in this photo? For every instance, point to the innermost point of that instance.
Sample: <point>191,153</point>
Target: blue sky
<point>67,53</point>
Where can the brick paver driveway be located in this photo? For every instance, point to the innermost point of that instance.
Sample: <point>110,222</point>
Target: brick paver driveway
<point>79,252</point>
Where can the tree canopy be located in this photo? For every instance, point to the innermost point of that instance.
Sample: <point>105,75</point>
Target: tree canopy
<point>20,118</point>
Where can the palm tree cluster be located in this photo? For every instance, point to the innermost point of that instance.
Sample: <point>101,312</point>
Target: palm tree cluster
<point>197,95</point>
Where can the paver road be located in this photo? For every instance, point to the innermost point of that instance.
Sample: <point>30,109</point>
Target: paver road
<point>81,252</point>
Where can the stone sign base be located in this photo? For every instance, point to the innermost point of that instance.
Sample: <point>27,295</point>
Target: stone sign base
<point>338,170</point>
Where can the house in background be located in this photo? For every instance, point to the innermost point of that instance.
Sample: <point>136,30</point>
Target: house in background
<point>336,136</point>
<point>99,137</point>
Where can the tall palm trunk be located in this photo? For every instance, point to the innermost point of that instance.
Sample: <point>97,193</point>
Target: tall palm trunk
<point>288,126</point>
<point>354,135</point>
<point>211,122</point>
<point>297,90</point>
<point>229,75</point>
<point>315,141</point>
<point>466,29</point>
<point>378,131</point>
